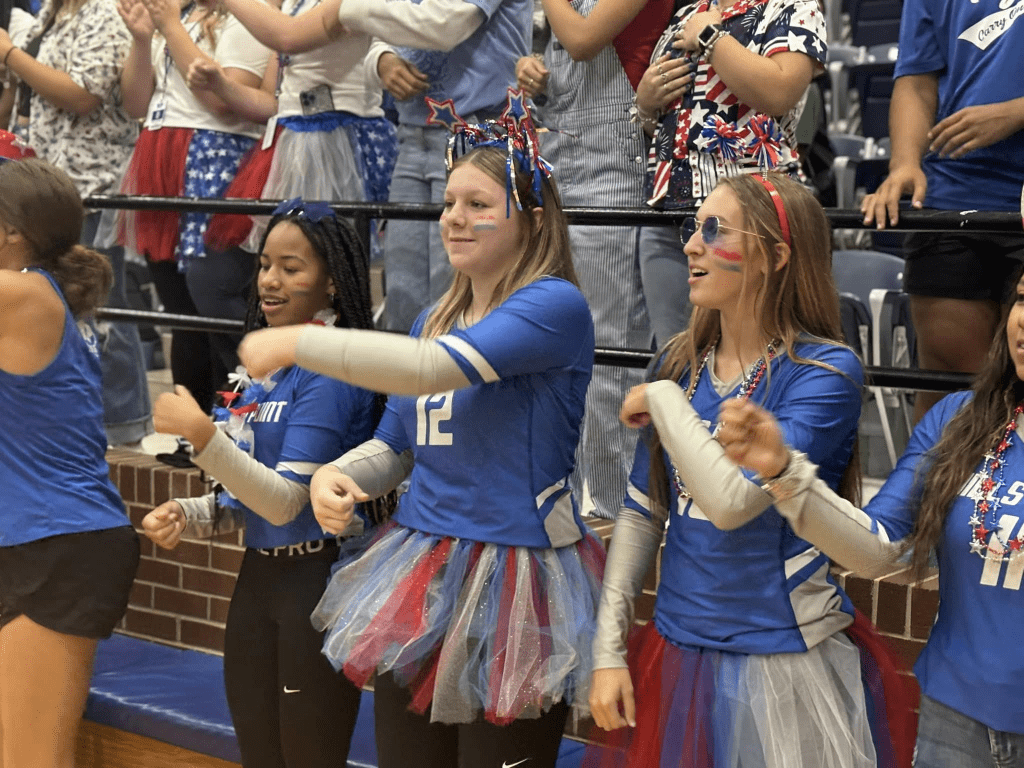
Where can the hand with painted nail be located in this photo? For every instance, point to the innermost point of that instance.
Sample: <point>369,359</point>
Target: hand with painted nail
<point>884,204</point>
<point>664,82</point>
<point>975,127</point>
<point>634,408</point>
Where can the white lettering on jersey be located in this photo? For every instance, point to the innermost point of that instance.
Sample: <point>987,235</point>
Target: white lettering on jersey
<point>972,490</point>
<point>428,421</point>
<point>994,563</point>
<point>993,26</point>
<point>269,411</point>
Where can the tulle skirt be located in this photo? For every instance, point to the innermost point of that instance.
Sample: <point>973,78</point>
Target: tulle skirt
<point>467,627</point>
<point>841,704</point>
<point>174,162</point>
<point>333,156</point>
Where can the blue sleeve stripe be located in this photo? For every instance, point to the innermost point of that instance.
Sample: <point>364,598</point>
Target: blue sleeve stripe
<point>798,562</point>
<point>546,494</point>
<point>472,356</point>
<point>301,468</point>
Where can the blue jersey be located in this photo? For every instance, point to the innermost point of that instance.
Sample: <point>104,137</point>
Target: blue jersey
<point>492,460</point>
<point>976,49</point>
<point>304,421</point>
<point>972,660</point>
<point>476,73</point>
<point>759,588</point>
<point>55,474</point>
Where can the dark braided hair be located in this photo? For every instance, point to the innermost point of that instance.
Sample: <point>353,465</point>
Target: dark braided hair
<point>336,241</point>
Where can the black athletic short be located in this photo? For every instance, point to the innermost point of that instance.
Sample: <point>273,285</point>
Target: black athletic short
<point>975,267</point>
<point>76,583</point>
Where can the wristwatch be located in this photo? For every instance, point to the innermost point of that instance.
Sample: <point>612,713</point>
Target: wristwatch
<point>708,36</point>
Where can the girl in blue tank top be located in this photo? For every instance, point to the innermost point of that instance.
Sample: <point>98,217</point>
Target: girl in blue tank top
<point>67,552</point>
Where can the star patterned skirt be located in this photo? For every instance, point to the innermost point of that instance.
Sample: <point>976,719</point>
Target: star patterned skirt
<point>330,156</point>
<point>176,162</point>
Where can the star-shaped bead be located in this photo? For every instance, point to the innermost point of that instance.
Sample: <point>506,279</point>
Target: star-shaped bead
<point>443,113</point>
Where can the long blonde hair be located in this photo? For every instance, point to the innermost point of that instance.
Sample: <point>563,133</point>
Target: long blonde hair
<point>547,251</point>
<point>798,299</point>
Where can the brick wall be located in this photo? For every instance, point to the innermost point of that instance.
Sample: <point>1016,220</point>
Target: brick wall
<point>181,596</point>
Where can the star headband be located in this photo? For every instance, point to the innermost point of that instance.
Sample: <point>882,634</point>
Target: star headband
<point>513,132</point>
<point>314,211</point>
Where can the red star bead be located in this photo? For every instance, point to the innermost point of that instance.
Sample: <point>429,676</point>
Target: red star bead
<point>983,507</point>
<point>1014,544</point>
<point>981,532</point>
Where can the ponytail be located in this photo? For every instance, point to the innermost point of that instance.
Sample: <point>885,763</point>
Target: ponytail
<point>85,278</point>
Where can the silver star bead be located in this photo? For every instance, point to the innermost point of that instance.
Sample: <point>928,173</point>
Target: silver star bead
<point>977,547</point>
<point>975,521</point>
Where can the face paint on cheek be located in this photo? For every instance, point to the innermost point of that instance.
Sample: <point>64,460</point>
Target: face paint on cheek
<point>302,288</point>
<point>728,260</point>
<point>485,223</point>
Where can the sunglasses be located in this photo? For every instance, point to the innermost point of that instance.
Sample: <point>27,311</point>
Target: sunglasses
<point>709,229</point>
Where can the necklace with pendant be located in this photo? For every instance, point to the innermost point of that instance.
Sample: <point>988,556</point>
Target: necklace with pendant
<point>984,521</point>
<point>747,387</point>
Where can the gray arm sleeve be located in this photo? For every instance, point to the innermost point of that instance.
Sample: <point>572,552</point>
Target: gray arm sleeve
<point>383,362</point>
<point>375,467</point>
<point>717,485</point>
<point>635,540</point>
<point>271,496</point>
<point>819,515</point>
<point>200,514</point>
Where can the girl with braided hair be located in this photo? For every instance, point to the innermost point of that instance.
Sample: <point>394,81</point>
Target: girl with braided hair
<point>289,707</point>
<point>67,551</point>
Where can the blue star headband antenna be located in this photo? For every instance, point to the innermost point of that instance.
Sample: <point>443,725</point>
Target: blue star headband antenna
<point>314,211</point>
<point>514,132</point>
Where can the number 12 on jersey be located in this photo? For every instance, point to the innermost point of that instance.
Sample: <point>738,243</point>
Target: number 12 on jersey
<point>431,411</point>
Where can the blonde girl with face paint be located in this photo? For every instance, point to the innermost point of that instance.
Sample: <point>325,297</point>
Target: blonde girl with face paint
<point>754,656</point>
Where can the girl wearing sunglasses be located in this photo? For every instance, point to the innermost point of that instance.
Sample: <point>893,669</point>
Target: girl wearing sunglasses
<point>755,657</point>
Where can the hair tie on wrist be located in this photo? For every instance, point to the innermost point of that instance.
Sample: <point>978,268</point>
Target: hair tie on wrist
<point>7,55</point>
<point>780,209</point>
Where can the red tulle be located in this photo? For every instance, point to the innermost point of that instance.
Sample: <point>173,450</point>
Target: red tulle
<point>157,167</point>
<point>890,691</point>
<point>229,230</point>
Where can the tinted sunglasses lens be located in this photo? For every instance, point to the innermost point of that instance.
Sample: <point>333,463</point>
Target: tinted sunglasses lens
<point>709,230</point>
<point>686,230</point>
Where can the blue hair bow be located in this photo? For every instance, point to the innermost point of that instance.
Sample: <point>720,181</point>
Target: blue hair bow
<point>314,211</point>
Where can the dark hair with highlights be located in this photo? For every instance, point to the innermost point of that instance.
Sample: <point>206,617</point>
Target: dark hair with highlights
<point>42,204</point>
<point>800,299</point>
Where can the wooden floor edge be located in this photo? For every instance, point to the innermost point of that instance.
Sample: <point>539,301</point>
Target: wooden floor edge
<point>100,746</point>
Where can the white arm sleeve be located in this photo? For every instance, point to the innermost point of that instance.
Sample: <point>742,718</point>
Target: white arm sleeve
<point>276,499</point>
<point>433,25</point>
<point>382,362</point>
<point>200,515</point>
<point>375,467</point>
<point>717,485</point>
<point>635,540</point>
<point>828,521</point>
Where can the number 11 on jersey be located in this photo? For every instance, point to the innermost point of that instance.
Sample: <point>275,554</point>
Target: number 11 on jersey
<point>428,420</point>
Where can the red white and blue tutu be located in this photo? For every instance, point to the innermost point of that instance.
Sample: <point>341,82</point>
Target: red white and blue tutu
<point>842,704</point>
<point>176,162</point>
<point>469,628</point>
<point>330,156</point>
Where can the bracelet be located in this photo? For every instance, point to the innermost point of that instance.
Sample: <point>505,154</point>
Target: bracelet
<point>7,55</point>
<point>645,119</point>
<point>710,46</point>
<point>791,480</point>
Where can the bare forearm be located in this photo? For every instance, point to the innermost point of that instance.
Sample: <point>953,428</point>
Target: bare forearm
<point>289,34</point>
<point>253,104</point>
<point>53,85</point>
<point>585,36</point>
<point>771,85</point>
<point>137,80</point>
<point>911,115</point>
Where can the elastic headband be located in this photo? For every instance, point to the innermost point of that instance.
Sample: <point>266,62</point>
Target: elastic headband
<point>780,209</point>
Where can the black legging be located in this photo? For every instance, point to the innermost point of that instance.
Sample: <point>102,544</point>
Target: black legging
<point>290,708</point>
<point>408,740</point>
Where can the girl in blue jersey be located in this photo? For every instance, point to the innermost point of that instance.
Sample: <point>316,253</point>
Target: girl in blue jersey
<point>289,707</point>
<point>746,662</point>
<point>67,551</point>
<point>954,492</point>
<point>475,608</point>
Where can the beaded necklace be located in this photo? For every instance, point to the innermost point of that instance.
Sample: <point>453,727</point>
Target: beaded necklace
<point>747,387</point>
<point>984,520</point>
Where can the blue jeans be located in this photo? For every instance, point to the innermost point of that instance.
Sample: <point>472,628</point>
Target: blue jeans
<point>127,412</point>
<point>664,273</point>
<point>416,265</point>
<point>948,739</point>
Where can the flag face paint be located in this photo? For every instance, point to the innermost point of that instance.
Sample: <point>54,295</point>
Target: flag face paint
<point>728,260</point>
<point>485,223</point>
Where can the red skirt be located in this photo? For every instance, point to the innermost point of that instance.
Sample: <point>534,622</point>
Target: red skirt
<point>230,230</point>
